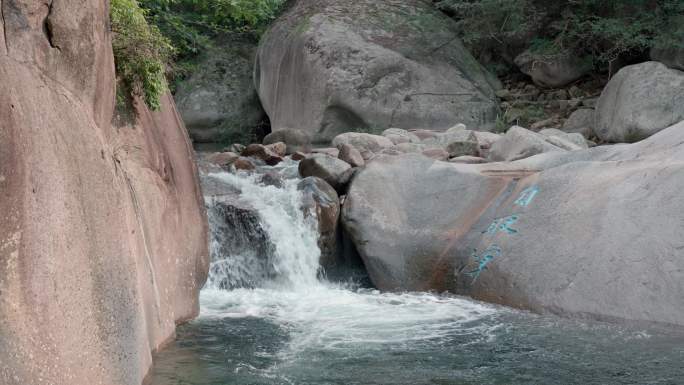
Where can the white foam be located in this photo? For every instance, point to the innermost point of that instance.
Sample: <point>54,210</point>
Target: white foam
<point>318,314</point>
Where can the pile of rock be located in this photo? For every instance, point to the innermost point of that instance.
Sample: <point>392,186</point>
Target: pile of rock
<point>352,150</point>
<point>523,103</point>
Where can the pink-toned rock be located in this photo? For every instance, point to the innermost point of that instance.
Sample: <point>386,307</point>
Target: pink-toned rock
<point>279,148</point>
<point>424,134</point>
<point>351,155</point>
<point>437,154</point>
<point>243,164</point>
<point>223,159</point>
<point>261,152</point>
<point>103,237</point>
<point>298,156</point>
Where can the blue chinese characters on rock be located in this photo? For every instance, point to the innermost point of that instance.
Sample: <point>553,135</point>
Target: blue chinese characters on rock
<point>504,226</point>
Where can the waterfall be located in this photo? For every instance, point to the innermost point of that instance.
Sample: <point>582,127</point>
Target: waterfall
<point>261,238</point>
<point>265,256</point>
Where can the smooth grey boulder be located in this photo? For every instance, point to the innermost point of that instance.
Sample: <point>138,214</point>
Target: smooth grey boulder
<point>567,141</point>
<point>519,143</point>
<point>552,71</point>
<point>397,136</point>
<point>596,233</point>
<point>296,140</point>
<point>351,155</point>
<point>639,101</point>
<point>593,233</point>
<point>332,170</point>
<point>393,64</point>
<point>218,101</point>
<point>366,144</point>
<point>581,121</point>
<point>321,200</point>
<point>398,214</point>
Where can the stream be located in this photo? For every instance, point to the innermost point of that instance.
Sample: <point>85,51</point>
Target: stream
<point>269,316</point>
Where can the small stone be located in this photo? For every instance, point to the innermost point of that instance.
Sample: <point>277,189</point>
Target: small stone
<point>457,128</point>
<point>503,94</point>
<point>590,103</point>
<point>223,159</point>
<point>244,164</point>
<point>261,152</point>
<point>278,148</point>
<point>575,92</point>
<point>466,159</point>
<point>574,103</point>
<point>543,124</point>
<point>236,148</point>
<point>436,153</point>
<point>560,95</point>
<point>331,151</point>
<point>298,156</point>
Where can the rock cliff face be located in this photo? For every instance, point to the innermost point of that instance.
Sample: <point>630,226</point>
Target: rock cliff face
<point>328,67</point>
<point>103,244</point>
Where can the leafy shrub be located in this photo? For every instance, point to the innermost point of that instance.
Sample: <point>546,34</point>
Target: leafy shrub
<point>140,52</point>
<point>605,30</point>
<point>191,24</point>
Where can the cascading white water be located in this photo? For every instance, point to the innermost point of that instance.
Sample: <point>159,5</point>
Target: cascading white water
<point>317,313</point>
<point>292,235</point>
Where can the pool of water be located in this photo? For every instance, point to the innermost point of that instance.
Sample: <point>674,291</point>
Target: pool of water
<point>268,317</point>
<point>334,335</point>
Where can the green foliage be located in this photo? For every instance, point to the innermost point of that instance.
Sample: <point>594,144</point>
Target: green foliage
<point>140,52</point>
<point>192,24</point>
<point>603,29</point>
<point>373,130</point>
<point>484,23</point>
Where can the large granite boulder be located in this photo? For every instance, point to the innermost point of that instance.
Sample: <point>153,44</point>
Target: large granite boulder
<point>218,101</point>
<point>639,101</point>
<point>393,64</point>
<point>398,211</point>
<point>103,237</point>
<point>593,233</point>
